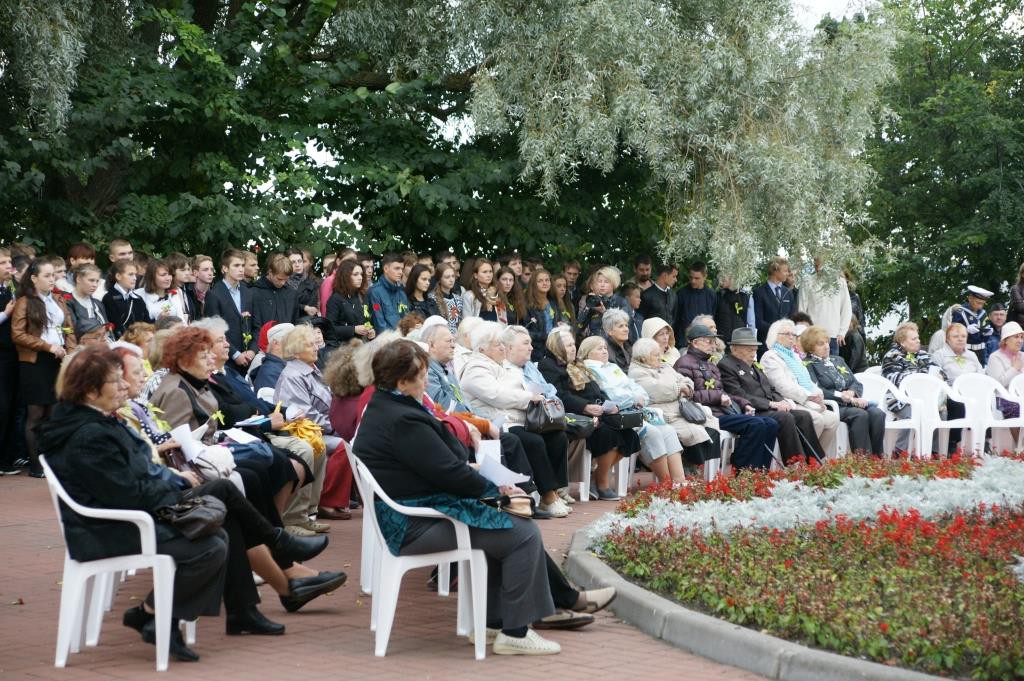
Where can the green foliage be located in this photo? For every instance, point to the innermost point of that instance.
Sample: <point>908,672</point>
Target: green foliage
<point>597,127</point>
<point>949,202</point>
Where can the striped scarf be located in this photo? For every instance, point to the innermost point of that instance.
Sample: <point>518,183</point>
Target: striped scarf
<point>796,367</point>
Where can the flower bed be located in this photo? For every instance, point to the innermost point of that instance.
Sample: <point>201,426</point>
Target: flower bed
<point>905,563</point>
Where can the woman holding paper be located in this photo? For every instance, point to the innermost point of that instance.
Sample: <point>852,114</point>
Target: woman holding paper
<point>419,463</point>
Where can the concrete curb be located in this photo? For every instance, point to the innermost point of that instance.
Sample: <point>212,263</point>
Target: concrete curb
<point>717,639</point>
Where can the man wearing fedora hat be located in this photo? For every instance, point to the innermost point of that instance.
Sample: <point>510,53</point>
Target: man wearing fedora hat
<point>973,316</point>
<point>755,434</point>
<point>742,376</point>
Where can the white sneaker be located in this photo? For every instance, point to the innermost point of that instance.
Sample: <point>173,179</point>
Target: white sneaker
<point>489,635</point>
<point>531,644</point>
<point>556,509</point>
<point>564,495</point>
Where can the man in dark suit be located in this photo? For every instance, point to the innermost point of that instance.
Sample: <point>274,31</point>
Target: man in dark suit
<point>230,300</point>
<point>659,300</point>
<point>742,376</point>
<point>773,300</point>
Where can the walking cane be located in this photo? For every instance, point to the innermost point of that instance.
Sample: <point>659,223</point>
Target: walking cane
<point>807,444</point>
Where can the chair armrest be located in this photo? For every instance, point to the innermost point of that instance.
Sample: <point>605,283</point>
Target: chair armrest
<point>461,529</point>
<point>141,519</point>
<point>833,405</point>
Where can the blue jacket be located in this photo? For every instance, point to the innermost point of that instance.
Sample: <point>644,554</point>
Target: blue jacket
<point>268,373</point>
<point>388,304</point>
<point>444,388</point>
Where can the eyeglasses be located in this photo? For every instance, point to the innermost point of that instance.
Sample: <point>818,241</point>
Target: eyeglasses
<point>786,333</point>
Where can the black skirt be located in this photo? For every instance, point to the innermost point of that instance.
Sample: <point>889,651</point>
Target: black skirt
<point>606,438</point>
<point>38,381</point>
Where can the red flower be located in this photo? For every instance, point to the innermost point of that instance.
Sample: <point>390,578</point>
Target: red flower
<point>68,296</point>
<point>376,307</point>
<point>108,326</point>
<point>172,291</point>
<point>884,626</point>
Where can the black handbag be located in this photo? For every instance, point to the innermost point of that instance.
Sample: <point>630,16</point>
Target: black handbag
<point>579,426</point>
<point>521,505</point>
<point>545,416</point>
<point>624,419</point>
<point>692,412</point>
<point>195,517</point>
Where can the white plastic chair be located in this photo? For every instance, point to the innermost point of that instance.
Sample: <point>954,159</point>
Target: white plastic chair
<point>979,392</point>
<point>83,582</point>
<point>584,483</point>
<point>389,569</point>
<point>842,444</point>
<point>624,471</point>
<point>266,394</point>
<point>928,390</point>
<point>876,389</point>
<point>371,544</point>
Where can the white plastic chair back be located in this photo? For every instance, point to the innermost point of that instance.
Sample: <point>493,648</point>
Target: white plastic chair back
<point>389,569</point>
<point>979,392</point>
<point>878,389</point>
<point>929,390</point>
<point>876,370</point>
<point>266,394</point>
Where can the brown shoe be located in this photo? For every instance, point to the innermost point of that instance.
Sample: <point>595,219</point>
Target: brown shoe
<point>323,513</point>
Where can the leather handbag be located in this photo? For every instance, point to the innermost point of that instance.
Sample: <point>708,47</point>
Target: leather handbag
<point>624,419</point>
<point>579,426</point>
<point>195,517</point>
<point>692,412</point>
<point>545,416</point>
<point>521,505</point>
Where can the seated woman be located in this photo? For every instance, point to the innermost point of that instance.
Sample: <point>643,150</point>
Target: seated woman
<point>1006,364</point>
<point>103,464</point>
<point>273,560</point>
<point>301,385</point>
<point>955,360</point>
<point>658,440</point>
<point>493,391</point>
<point>615,324</point>
<point>665,387</point>
<point>418,463</point>
<point>906,358</point>
<point>661,331</point>
<point>581,394</point>
<point>788,375</point>
<point>186,398</point>
<point>865,423</point>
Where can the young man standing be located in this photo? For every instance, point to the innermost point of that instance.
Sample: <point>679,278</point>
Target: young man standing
<point>272,299</point>
<point>773,300</point>
<point>828,304</point>
<point>386,298</point>
<point>251,267</point>
<point>660,300</point>
<point>120,249</point>
<point>571,271</point>
<point>642,272</point>
<point>696,298</point>
<point>231,300</point>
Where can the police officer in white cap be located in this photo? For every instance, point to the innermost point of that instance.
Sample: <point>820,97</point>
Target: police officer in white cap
<point>973,316</point>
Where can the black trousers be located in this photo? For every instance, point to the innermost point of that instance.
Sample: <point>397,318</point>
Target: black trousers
<point>867,429</point>
<point>8,412</point>
<point>199,578</point>
<point>548,454</point>
<point>755,439</point>
<point>790,441</point>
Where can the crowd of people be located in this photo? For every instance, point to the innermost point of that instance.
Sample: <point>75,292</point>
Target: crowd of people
<point>419,359</point>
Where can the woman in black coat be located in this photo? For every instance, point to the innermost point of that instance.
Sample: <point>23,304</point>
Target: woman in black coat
<point>346,312</point>
<point>418,462</point>
<point>580,394</point>
<point>102,463</point>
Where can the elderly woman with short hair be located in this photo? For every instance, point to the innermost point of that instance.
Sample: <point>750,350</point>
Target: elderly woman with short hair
<point>301,385</point>
<point>615,324</point>
<point>905,358</point>
<point>495,391</point>
<point>786,372</point>
<point>865,422</point>
<point>955,360</point>
<point>666,387</point>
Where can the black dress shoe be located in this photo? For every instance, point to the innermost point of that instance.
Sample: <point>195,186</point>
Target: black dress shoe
<point>136,618</point>
<point>252,621</point>
<point>36,473</point>
<point>178,650</point>
<point>288,546</point>
<point>305,589</point>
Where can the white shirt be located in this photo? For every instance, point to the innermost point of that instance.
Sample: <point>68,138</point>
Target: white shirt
<point>829,308</point>
<point>54,331</point>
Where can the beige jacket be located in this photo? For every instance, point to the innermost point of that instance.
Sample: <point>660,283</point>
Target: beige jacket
<point>664,385</point>
<point>493,390</point>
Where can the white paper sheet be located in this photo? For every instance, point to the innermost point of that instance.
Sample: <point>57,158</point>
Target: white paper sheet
<point>488,449</point>
<point>240,436</point>
<point>190,446</point>
<point>492,469</point>
<point>292,413</point>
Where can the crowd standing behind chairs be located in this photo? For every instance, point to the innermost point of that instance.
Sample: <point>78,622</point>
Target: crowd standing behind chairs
<point>275,367</point>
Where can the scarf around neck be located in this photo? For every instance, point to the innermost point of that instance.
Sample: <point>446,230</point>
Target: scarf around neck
<point>796,367</point>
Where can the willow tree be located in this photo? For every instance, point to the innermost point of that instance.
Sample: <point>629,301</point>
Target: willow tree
<point>715,127</point>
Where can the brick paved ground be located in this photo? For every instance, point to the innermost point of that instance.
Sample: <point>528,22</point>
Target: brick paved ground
<point>329,639</point>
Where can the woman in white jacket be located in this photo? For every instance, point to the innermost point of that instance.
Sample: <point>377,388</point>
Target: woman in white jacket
<point>494,391</point>
<point>790,377</point>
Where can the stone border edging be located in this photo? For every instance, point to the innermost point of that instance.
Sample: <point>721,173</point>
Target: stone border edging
<point>718,640</point>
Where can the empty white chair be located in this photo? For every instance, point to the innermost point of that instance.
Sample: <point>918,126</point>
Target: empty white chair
<point>842,434</point>
<point>928,390</point>
<point>979,392</point>
<point>83,581</point>
<point>877,389</point>
<point>389,569</point>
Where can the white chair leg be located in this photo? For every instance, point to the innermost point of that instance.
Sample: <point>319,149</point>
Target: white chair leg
<point>444,578</point>
<point>163,600</point>
<point>104,590</point>
<point>585,482</point>
<point>464,612</point>
<point>385,596</point>
<point>188,630</point>
<point>477,593</point>
<point>375,567</point>
<point>710,469</point>
<point>71,595</point>
<point>87,597</point>
<point>366,559</point>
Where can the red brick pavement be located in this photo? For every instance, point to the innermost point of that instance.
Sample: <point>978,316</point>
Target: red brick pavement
<point>329,639</point>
